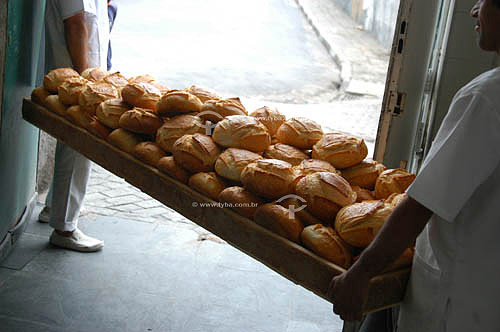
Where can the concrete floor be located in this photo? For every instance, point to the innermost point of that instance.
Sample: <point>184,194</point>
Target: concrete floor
<point>149,277</point>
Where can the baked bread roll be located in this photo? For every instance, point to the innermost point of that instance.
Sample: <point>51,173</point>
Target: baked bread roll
<point>78,117</point>
<point>38,95</point>
<point>395,199</point>
<point>363,174</point>
<point>146,78</point>
<point>232,161</point>
<point>56,77</point>
<point>357,224</point>
<point>362,194</point>
<point>140,121</point>
<point>142,95</point>
<point>53,103</point>
<point>340,150</point>
<point>326,243</point>
<point>207,183</point>
<point>241,131</point>
<point>116,79</point>
<point>196,153</point>
<point>309,166</point>
<point>299,132</point>
<point>98,129</point>
<point>95,93</point>
<point>216,110</point>
<point>269,178</point>
<point>70,90</point>
<point>176,127</point>
<point>168,166</point>
<point>178,101</point>
<point>269,117</point>
<point>203,94</point>
<point>285,152</point>
<point>94,74</point>
<point>124,140</point>
<point>149,152</point>
<point>326,193</point>
<point>240,200</point>
<point>278,220</point>
<point>110,111</point>
<point>393,181</point>
<point>297,207</point>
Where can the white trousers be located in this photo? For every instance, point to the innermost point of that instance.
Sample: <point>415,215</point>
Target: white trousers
<point>67,191</point>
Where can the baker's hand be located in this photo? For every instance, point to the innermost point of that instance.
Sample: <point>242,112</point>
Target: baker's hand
<point>348,292</point>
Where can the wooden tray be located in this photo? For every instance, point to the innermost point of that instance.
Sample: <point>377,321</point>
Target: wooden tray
<point>289,259</point>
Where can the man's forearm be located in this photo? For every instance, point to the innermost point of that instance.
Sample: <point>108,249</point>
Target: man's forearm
<point>398,233</point>
<point>77,39</point>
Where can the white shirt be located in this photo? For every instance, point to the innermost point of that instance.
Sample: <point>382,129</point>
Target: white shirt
<point>455,278</point>
<point>96,20</point>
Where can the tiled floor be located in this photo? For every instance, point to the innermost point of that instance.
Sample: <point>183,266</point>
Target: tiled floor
<point>149,277</point>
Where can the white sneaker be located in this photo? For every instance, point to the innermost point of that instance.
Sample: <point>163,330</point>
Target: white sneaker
<point>77,241</point>
<point>44,216</point>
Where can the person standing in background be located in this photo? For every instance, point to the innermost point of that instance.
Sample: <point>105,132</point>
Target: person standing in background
<point>112,11</point>
<point>77,36</point>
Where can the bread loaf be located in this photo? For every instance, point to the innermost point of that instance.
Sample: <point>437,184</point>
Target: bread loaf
<point>309,166</point>
<point>176,127</point>
<point>244,132</point>
<point>269,178</point>
<point>393,181</point>
<point>326,243</point>
<point>124,140</point>
<point>116,79</point>
<point>196,153</point>
<point>232,161</point>
<point>340,150</point>
<point>140,121</point>
<point>207,183</point>
<point>149,152</point>
<point>240,200</point>
<point>39,94</point>
<point>362,194</point>
<point>53,103</point>
<point>269,117</point>
<point>297,206</point>
<point>142,95</point>
<point>285,152</point>
<point>216,109</point>
<point>110,111</point>
<point>363,174</point>
<point>168,166</point>
<point>177,102</point>
<point>98,129</point>
<point>56,77</point>
<point>203,94</point>
<point>95,93</point>
<point>69,91</point>
<point>395,199</point>
<point>78,117</point>
<point>326,193</point>
<point>94,74</point>
<point>357,224</point>
<point>299,132</point>
<point>278,220</point>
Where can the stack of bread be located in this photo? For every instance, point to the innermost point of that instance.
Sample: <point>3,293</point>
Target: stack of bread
<point>316,189</point>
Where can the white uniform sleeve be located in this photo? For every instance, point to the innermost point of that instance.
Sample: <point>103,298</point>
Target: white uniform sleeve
<point>70,8</point>
<point>465,156</point>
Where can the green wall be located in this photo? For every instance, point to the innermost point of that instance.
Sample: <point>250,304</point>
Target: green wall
<point>18,139</point>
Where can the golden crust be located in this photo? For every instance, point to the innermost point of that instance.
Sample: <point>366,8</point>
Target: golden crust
<point>69,91</point>
<point>357,224</point>
<point>285,152</point>
<point>53,103</point>
<point>94,74</point>
<point>393,181</point>
<point>143,95</point>
<point>99,129</point>
<point>207,183</point>
<point>116,79</point>
<point>326,193</point>
<point>168,165</point>
<point>203,94</point>
<point>140,121</point>
<point>178,101</point>
<point>241,200</point>
<point>124,140</point>
<point>395,199</point>
<point>300,132</point>
<point>149,152</point>
<point>325,242</point>
<point>232,161</point>
<point>217,109</point>
<point>176,127</point>
<point>78,117</point>
<point>95,93</point>
<point>269,117</point>
<point>56,77</point>
<point>39,94</point>
<point>340,150</point>
<point>241,131</point>
<point>278,220</point>
<point>363,174</point>
<point>196,153</point>
<point>110,111</point>
<point>298,209</point>
<point>362,194</point>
